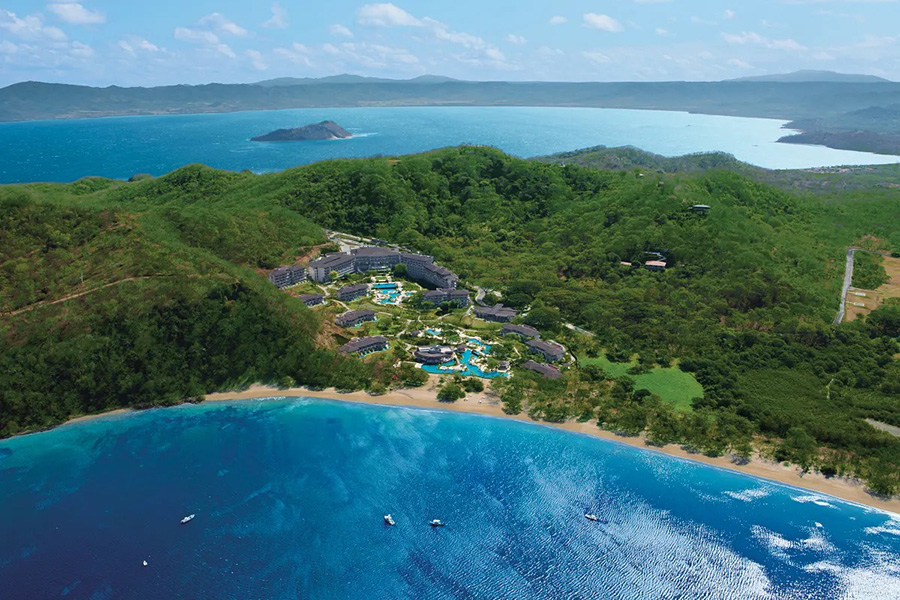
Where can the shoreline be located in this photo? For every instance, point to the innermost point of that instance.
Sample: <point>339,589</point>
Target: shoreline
<point>487,405</point>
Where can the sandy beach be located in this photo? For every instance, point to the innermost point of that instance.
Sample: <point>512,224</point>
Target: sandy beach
<point>486,404</point>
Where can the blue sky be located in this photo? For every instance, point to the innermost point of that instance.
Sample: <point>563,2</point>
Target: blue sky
<point>124,42</point>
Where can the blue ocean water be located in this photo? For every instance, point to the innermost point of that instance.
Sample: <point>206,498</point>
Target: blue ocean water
<point>289,497</point>
<point>124,146</point>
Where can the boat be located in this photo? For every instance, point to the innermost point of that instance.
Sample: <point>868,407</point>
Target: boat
<point>591,517</point>
<point>145,563</point>
<point>436,523</point>
<point>389,520</point>
<point>188,518</point>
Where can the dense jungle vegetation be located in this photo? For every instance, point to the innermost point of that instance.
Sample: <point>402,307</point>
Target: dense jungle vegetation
<point>745,305</point>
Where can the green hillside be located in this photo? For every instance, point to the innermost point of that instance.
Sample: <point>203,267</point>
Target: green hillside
<point>744,305</point>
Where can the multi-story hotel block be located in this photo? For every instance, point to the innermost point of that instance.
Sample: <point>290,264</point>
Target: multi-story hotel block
<point>355,318</point>
<point>312,299</point>
<point>283,277</point>
<point>551,351</point>
<point>370,258</point>
<point>365,345</point>
<point>497,313</point>
<point>458,297</point>
<point>523,331</point>
<point>352,292</point>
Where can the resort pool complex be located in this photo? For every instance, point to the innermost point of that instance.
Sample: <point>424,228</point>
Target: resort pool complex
<point>464,360</point>
<point>385,286</point>
<point>389,298</point>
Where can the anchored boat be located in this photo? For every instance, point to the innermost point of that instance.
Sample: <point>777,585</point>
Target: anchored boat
<point>389,520</point>
<point>188,519</point>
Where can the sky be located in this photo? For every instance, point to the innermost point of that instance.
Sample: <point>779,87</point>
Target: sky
<point>128,43</point>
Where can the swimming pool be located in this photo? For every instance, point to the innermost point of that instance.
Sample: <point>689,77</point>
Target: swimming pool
<point>385,286</point>
<point>465,359</point>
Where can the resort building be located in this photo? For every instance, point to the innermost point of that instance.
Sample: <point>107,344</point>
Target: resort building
<point>655,265</point>
<point>283,277</point>
<point>311,300</point>
<point>523,331</point>
<point>415,264</point>
<point>433,355</point>
<point>366,345</point>
<point>458,297</point>
<point>440,277</point>
<point>340,262</point>
<point>497,313</point>
<point>700,208</point>
<point>551,351</point>
<point>352,292</point>
<point>372,258</point>
<point>548,371</point>
<point>355,318</point>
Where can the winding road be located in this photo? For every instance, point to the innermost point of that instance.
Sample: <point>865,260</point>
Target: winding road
<point>848,281</point>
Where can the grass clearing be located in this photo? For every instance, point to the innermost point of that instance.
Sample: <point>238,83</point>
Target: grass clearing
<point>671,384</point>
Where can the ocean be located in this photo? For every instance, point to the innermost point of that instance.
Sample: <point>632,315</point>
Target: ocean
<point>289,497</point>
<point>121,147</point>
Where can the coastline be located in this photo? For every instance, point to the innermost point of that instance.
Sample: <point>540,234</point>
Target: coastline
<point>487,405</point>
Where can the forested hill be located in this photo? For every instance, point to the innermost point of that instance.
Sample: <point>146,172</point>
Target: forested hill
<point>745,304</point>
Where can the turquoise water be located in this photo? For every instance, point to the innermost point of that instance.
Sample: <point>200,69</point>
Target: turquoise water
<point>390,298</point>
<point>289,498</point>
<point>465,358</point>
<point>385,286</point>
<point>121,147</point>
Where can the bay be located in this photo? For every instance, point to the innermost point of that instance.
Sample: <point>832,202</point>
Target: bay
<point>289,497</point>
<point>66,150</point>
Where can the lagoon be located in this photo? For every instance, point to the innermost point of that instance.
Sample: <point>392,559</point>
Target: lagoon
<point>289,497</point>
<point>120,147</point>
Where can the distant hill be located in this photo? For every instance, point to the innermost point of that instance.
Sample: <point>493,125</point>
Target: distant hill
<point>813,77</point>
<point>346,78</point>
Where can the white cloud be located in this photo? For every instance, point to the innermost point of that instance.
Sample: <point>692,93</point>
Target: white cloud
<point>186,34</point>
<point>597,57</point>
<point>30,28</point>
<point>133,44</point>
<point>602,22</point>
<point>749,37</point>
<point>515,39</point>
<point>558,20</point>
<point>226,50</point>
<point>297,53</point>
<point>279,18</point>
<point>81,50</point>
<point>661,31</point>
<point>218,23</point>
<point>729,14</point>
<point>740,64</point>
<point>256,59</point>
<point>385,15</point>
<point>76,14</point>
<point>340,30</point>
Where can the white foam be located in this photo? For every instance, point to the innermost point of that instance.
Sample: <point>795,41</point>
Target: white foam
<point>750,495</point>
<point>815,499</point>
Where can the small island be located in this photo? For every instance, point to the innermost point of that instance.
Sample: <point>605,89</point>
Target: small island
<point>326,130</point>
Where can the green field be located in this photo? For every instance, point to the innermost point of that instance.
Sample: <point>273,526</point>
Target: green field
<point>671,384</point>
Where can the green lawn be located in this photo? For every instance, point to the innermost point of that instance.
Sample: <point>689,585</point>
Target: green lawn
<point>671,384</point>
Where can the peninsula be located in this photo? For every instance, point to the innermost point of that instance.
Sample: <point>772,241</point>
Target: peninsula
<point>326,130</point>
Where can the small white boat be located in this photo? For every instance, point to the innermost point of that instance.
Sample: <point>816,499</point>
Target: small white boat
<point>389,520</point>
<point>188,518</point>
<point>591,517</point>
<point>145,563</point>
<point>436,523</point>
